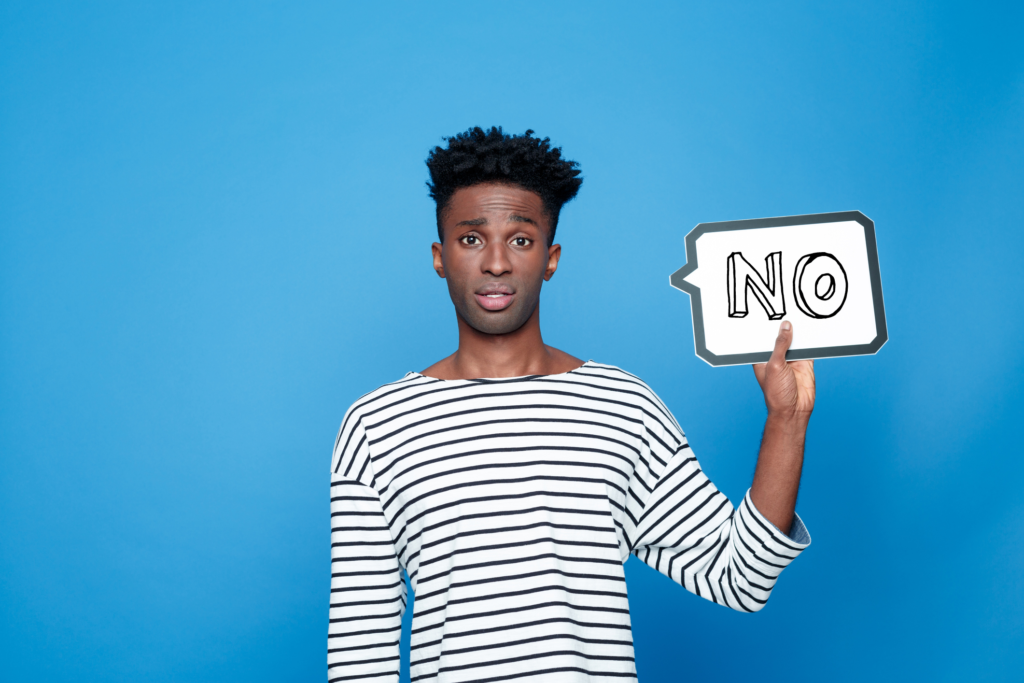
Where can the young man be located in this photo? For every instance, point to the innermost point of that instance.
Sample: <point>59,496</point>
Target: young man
<point>512,480</point>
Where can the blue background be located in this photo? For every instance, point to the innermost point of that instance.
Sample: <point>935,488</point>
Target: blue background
<point>216,236</point>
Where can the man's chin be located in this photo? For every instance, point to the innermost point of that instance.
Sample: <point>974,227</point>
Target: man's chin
<point>498,322</point>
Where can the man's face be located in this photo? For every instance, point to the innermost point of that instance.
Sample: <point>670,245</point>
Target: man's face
<point>495,255</point>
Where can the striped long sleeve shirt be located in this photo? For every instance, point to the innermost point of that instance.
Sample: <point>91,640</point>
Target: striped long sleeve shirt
<point>512,505</point>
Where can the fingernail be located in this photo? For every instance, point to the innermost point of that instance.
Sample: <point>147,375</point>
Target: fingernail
<point>786,326</point>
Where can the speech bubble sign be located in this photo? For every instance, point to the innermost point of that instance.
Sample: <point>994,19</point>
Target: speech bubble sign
<point>820,271</point>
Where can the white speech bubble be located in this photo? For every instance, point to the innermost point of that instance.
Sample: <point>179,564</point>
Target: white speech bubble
<point>819,271</point>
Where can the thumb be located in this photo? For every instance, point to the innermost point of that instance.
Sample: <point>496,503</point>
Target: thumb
<point>782,343</point>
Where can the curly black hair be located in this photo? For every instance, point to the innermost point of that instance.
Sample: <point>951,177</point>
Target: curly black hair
<point>479,156</point>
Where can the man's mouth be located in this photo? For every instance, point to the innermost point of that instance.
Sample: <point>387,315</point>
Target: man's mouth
<point>495,298</point>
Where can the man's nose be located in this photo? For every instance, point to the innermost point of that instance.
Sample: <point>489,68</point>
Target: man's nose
<point>496,261</point>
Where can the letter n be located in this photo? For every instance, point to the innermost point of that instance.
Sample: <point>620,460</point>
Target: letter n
<point>741,277</point>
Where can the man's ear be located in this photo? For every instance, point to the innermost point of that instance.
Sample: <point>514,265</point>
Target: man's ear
<point>438,264</point>
<point>554,253</point>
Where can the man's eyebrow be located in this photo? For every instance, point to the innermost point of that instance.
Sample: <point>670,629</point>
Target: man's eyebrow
<point>475,221</point>
<point>515,218</point>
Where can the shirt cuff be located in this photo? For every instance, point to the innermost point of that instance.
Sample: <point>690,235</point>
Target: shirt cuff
<point>772,549</point>
<point>797,531</point>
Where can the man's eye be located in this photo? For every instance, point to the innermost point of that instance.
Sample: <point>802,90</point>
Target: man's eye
<point>470,240</point>
<point>522,241</point>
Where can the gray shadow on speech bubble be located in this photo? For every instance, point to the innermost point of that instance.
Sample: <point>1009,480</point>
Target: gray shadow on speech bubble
<point>677,280</point>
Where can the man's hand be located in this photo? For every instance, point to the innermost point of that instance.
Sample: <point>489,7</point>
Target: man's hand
<point>788,387</point>
<point>789,394</point>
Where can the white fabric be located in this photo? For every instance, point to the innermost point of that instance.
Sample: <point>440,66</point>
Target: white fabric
<point>512,504</point>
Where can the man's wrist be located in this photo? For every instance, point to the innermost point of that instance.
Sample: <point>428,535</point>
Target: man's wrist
<point>792,422</point>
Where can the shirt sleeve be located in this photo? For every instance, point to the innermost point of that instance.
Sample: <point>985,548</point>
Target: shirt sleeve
<point>368,593</point>
<point>683,526</point>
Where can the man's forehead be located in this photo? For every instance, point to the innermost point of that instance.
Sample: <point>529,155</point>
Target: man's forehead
<point>510,218</point>
<point>513,201</point>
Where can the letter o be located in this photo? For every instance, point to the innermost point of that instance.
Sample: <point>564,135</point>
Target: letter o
<point>810,270</point>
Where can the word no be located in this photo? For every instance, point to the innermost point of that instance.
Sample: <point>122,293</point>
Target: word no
<point>819,285</point>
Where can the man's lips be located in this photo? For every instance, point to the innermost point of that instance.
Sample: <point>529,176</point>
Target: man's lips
<point>494,302</point>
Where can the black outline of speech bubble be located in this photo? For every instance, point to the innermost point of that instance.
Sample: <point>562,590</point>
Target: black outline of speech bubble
<point>677,280</point>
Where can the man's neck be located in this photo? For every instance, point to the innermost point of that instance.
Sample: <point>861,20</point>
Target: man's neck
<point>516,354</point>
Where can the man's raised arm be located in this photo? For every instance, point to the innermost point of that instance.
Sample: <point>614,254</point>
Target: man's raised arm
<point>789,395</point>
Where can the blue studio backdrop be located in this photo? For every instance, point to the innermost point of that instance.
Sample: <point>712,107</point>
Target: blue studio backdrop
<point>215,235</point>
